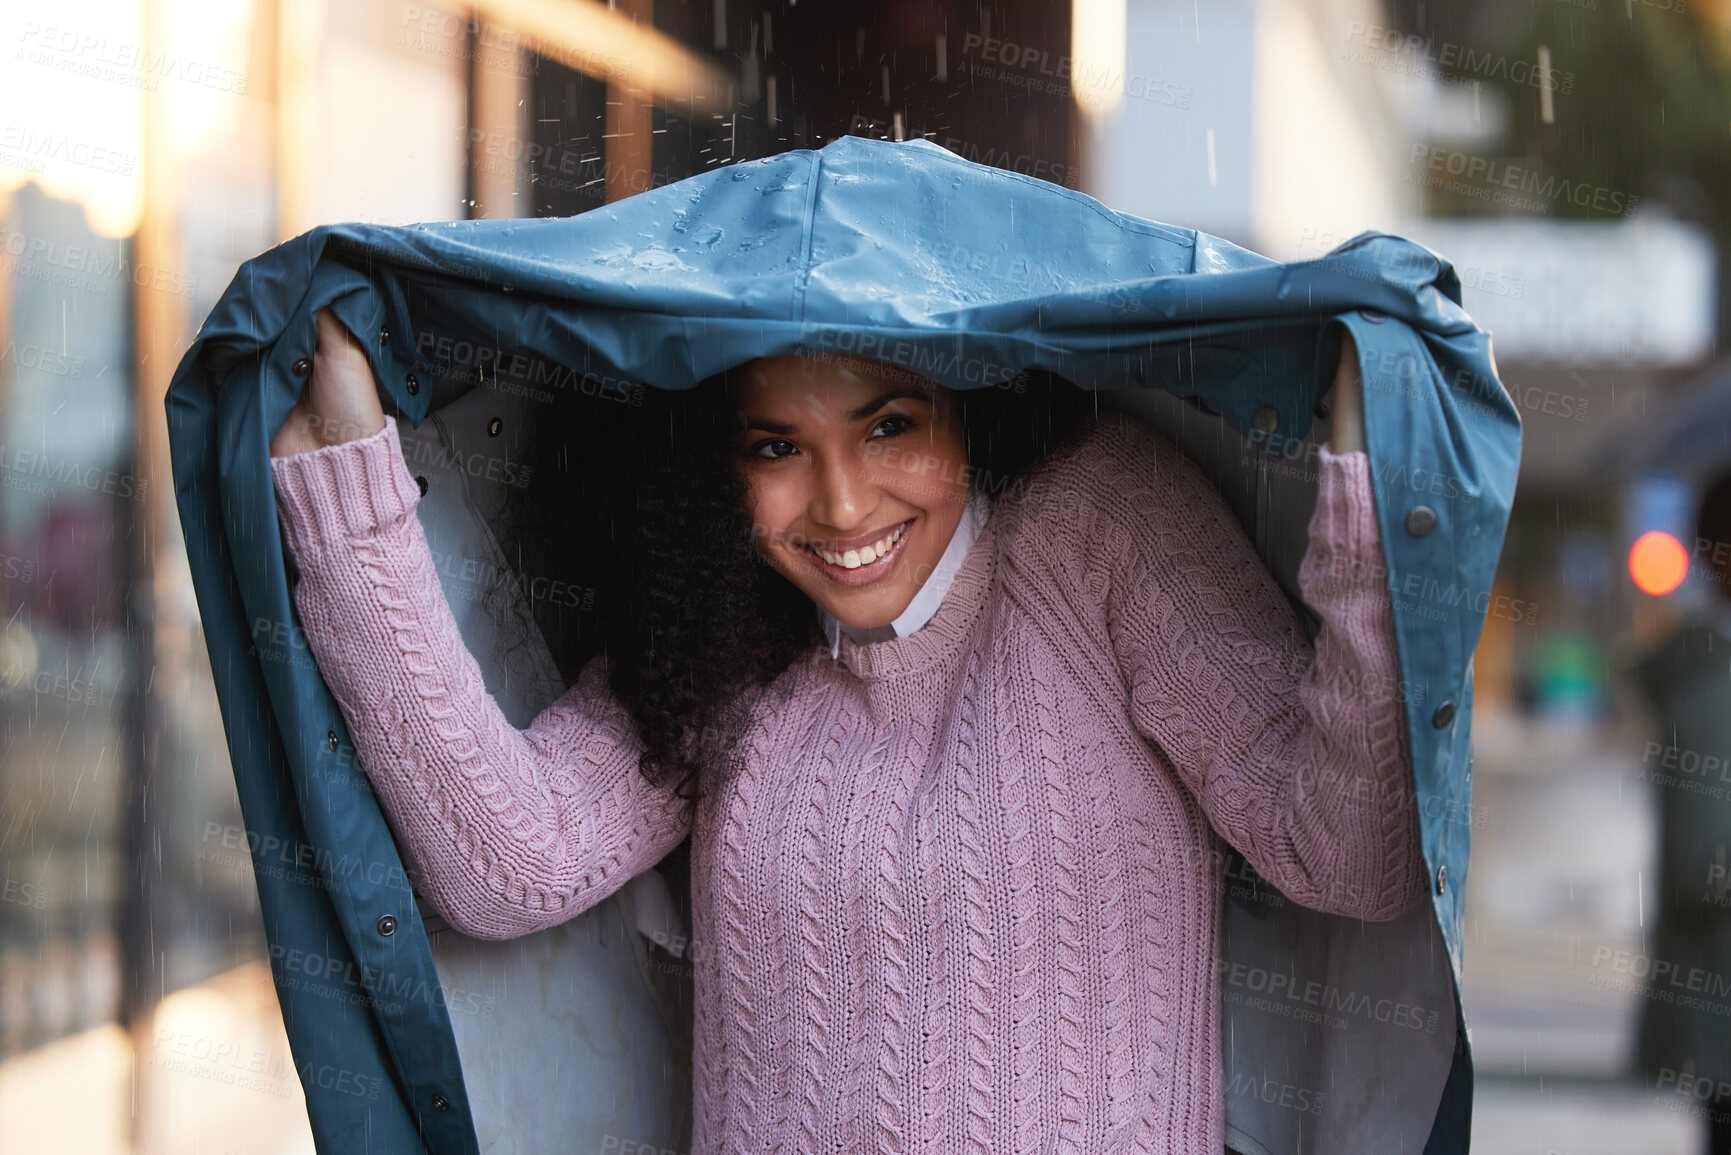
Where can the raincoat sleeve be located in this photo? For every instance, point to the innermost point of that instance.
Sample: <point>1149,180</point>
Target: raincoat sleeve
<point>1296,753</point>
<point>506,831</point>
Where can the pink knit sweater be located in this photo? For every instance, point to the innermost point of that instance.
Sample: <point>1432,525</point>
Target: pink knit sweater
<point>964,892</point>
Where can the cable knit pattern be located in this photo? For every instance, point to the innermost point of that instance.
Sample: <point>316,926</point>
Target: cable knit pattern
<point>963,891</point>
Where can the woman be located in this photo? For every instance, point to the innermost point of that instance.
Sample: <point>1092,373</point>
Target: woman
<point>954,874</point>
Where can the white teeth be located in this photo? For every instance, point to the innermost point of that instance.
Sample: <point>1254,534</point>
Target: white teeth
<point>865,555</point>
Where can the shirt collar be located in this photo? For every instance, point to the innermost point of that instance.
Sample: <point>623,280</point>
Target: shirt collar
<point>930,596</point>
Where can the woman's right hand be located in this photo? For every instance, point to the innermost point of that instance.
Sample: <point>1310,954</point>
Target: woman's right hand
<point>341,400</point>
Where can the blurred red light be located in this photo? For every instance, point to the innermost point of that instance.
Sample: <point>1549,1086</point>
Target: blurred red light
<point>1658,563</point>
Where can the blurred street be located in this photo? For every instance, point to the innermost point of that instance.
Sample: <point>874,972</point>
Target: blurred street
<point>1563,841</point>
<point>214,1074</point>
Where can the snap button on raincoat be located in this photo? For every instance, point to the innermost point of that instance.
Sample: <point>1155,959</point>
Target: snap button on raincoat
<point>1336,1035</point>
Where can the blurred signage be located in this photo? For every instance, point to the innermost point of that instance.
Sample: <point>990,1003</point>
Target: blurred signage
<point>1635,292</point>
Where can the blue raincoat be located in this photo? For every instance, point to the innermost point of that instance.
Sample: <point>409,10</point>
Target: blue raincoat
<point>1337,1035</point>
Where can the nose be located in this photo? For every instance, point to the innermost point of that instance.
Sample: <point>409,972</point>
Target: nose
<point>843,496</point>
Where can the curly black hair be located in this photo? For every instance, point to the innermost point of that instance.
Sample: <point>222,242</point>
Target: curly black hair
<point>639,497</point>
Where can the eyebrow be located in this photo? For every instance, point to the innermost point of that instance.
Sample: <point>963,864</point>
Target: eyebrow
<point>770,425</point>
<point>885,398</point>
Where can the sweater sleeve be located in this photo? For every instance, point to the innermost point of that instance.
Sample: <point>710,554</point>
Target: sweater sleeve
<point>1296,753</point>
<point>507,831</point>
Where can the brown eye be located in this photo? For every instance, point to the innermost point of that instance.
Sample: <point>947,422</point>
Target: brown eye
<point>774,450</point>
<point>892,425</point>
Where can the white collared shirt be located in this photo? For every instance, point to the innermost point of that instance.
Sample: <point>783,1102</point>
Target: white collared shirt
<point>925,605</point>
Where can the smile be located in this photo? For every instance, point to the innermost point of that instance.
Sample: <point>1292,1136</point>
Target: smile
<point>865,555</point>
<point>861,563</point>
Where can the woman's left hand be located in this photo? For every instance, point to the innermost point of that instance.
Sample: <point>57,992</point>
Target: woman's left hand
<point>1346,427</point>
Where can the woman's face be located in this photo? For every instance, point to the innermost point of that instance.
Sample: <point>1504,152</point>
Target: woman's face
<point>856,477</point>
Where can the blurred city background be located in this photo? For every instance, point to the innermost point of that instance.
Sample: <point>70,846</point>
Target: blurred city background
<point>1569,156</point>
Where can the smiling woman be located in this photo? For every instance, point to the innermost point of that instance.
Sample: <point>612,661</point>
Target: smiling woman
<point>854,534</point>
<point>721,504</point>
<point>945,876</point>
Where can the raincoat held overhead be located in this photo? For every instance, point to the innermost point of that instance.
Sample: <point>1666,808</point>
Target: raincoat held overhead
<point>1337,1035</point>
